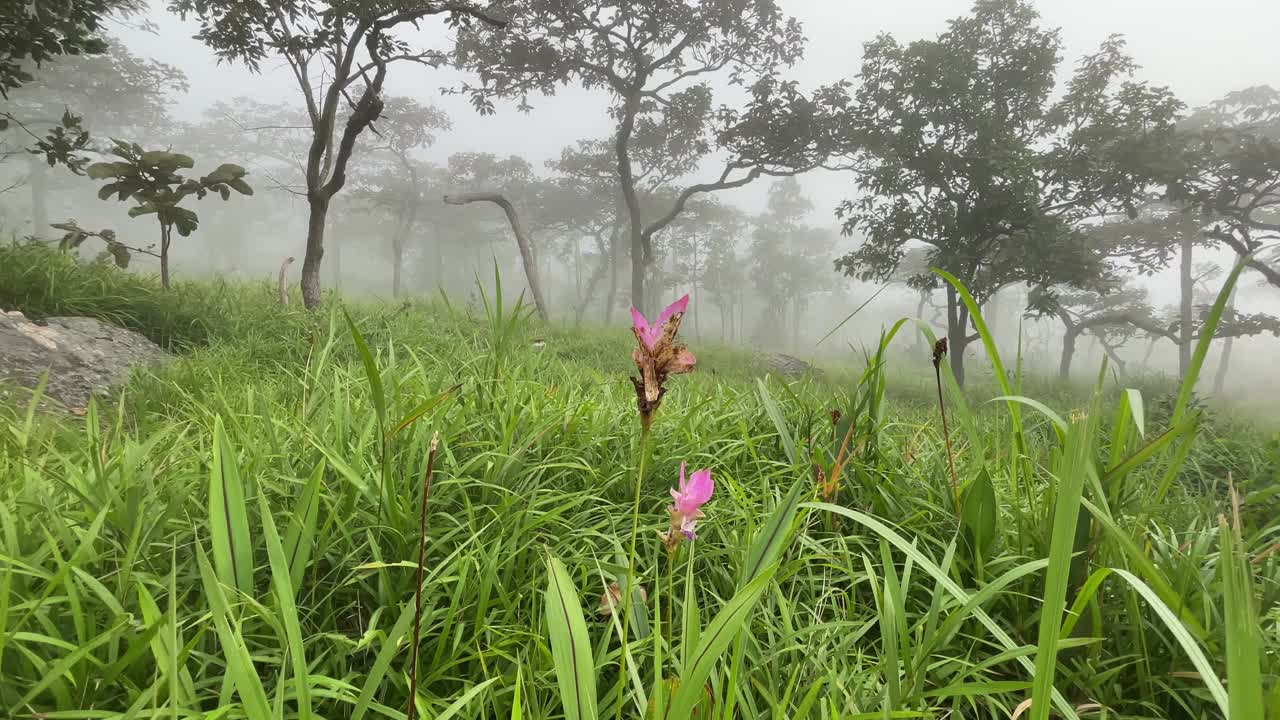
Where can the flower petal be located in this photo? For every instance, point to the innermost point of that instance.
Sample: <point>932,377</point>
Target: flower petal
<point>643,330</point>
<point>683,362</point>
<point>678,306</point>
<point>700,487</point>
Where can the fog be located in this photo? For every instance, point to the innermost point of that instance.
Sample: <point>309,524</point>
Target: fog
<point>1200,52</point>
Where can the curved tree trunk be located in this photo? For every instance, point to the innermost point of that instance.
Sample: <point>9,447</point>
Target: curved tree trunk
<point>1068,351</point>
<point>283,282</point>
<point>626,182</point>
<point>526,248</point>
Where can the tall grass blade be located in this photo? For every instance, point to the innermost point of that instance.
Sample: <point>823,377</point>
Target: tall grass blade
<point>244,677</point>
<point>772,538</point>
<point>714,641</point>
<point>570,647</point>
<point>288,610</point>
<point>1244,673</point>
<point>1184,638</point>
<point>300,536</point>
<point>1066,514</point>
<point>228,516</point>
<point>779,421</point>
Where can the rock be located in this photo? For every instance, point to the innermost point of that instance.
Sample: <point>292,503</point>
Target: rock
<point>788,366</point>
<point>83,356</point>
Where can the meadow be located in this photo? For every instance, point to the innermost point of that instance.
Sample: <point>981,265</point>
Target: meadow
<point>323,515</point>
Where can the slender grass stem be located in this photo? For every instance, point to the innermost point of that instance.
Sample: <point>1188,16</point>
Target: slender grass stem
<point>629,585</point>
<point>417,588</point>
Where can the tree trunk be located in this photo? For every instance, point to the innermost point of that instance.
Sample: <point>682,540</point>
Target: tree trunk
<point>626,181</point>
<point>1187,285</point>
<point>1224,363</point>
<point>1068,351</point>
<point>615,241</point>
<point>318,203</point>
<point>596,276</point>
<point>166,233</point>
<point>397,270</point>
<point>39,180</point>
<point>957,333</point>
<point>522,240</point>
<point>920,349</point>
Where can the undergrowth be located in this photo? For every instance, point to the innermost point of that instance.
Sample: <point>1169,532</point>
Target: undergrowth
<point>237,534</point>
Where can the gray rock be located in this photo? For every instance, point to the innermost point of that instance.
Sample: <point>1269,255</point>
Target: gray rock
<point>83,356</point>
<point>788,366</point>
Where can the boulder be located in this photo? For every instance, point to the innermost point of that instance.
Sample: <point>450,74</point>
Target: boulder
<point>83,356</point>
<point>788,366</point>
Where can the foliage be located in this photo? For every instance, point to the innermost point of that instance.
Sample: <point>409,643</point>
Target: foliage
<point>1235,177</point>
<point>655,60</point>
<point>36,33</point>
<point>963,147</point>
<point>351,45</point>
<point>75,236</point>
<point>150,178</point>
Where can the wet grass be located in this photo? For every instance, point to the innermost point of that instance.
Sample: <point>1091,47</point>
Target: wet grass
<point>238,534</point>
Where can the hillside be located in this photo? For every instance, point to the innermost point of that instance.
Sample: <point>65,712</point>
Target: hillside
<point>241,530</point>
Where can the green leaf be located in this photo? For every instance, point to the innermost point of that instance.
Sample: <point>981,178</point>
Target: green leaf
<point>1189,645</point>
<point>228,518</point>
<point>980,514</point>
<point>714,641</point>
<point>570,646</point>
<point>104,170</point>
<point>167,161</point>
<point>299,537</point>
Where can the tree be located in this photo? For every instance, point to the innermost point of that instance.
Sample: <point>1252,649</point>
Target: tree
<point>653,58</point>
<point>586,200</point>
<point>1235,173</point>
<point>400,184</point>
<point>503,182</point>
<point>338,50</point>
<point>35,33</point>
<point>962,148</point>
<point>1113,315</point>
<point>117,93</point>
<point>151,179</point>
<point>789,261</point>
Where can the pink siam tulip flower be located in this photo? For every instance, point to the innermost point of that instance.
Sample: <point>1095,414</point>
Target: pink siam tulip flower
<point>686,507</point>
<point>658,355</point>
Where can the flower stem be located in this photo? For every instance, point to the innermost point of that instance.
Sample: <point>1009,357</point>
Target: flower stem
<point>946,434</point>
<point>629,585</point>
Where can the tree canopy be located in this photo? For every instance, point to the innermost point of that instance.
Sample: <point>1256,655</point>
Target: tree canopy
<point>962,146</point>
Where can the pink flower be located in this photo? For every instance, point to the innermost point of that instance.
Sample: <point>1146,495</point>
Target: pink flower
<point>648,334</point>
<point>686,508</point>
<point>658,355</point>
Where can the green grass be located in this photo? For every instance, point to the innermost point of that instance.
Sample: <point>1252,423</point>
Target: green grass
<point>237,535</point>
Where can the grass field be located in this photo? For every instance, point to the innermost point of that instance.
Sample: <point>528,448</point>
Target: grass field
<point>238,534</point>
